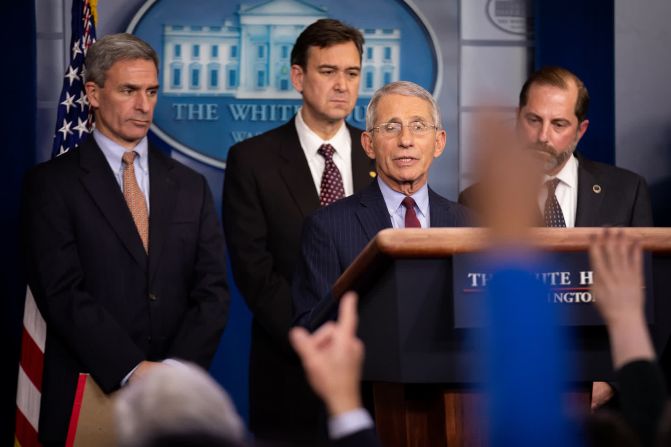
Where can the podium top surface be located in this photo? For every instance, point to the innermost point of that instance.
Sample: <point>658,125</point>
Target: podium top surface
<point>443,242</point>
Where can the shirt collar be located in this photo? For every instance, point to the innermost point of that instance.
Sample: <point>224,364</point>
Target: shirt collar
<point>114,152</point>
<point>393,198</point>
<point>311,142</point>
<point>568,174</point>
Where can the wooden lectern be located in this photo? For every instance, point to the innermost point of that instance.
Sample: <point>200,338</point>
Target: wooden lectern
<point>424,372</point>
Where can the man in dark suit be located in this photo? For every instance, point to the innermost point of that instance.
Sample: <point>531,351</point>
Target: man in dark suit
<point>272,182</point>
<point>552,118</point>
<point>403,137</point>
<point>124,251</point>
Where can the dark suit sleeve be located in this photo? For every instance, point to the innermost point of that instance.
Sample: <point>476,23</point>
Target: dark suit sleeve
<point>362,438</point>
<point>267,293</point>
<point>56,278</point>
<point>317,271</point>
<point>642,395</point>
<point>641,215</point>
<point>204,321</point>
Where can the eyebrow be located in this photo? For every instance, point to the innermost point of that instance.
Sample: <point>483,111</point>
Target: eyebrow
<point>138,87</point>
<point>335,67</point>
<point>410,120</point>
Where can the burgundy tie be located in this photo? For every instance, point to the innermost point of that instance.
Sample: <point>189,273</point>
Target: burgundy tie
<point>411,220</point>
<point>552,213</point>
<point>332,187</point>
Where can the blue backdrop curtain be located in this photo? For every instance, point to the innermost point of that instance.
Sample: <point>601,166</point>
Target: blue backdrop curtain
<point>17,154</point>
<point>579,35</point>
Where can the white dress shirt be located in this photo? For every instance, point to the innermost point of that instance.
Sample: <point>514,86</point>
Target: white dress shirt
<point>396,209</point>
<point>566,192</point>
<point>341,142</point>
<point>113,153</point>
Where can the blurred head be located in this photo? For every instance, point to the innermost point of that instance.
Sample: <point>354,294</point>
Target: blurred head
<point>403,135</point>
<point>325,70</point>
<point>122,87</point>
<point>551,117</point>
<point>175,401</point>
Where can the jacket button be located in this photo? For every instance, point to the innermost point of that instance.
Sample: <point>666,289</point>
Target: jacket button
<point>153,297</point>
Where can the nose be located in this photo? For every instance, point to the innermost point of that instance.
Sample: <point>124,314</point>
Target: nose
<point>405,138</point>
<point>142,102</point>
<point>340,84</point>
<point>543,133</point>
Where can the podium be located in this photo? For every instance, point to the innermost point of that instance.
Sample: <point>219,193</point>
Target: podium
<point>423,371</point>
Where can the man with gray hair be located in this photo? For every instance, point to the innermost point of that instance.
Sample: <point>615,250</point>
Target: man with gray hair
<point>124,251</point>
<point>403,136</point>
<point>180,402</point>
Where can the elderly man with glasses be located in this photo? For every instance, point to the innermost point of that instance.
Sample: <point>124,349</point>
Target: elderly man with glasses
<point>403,136</point>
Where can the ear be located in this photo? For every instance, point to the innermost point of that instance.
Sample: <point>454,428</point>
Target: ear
<point>441,139</point>
<point>297,75</point>
<point>367,143</point>
<point>582,128</point>
<point>92,91</point>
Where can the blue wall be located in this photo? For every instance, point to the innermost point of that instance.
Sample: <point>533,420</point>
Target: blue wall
<point>17,127</point>
<point>579,35</point>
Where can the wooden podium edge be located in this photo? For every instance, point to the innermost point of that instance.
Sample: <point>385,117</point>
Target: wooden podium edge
<point>390,243</point>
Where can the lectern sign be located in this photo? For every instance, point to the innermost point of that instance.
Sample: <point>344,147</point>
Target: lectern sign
<point>567,275</point>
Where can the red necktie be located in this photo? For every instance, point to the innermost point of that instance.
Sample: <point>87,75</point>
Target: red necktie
<point>411,220</point>
<point>332,187</point>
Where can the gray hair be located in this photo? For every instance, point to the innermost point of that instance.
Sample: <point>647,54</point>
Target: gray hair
<point>112,48</point>
<point>404,88</point>
<point>175,400</point>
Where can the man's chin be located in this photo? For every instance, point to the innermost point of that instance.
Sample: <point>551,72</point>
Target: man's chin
<point>550,160</point>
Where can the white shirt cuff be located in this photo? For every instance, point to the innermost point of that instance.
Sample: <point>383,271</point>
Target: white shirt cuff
<point>124,381</point>
<point>348,423</point>
<point>171,362</point>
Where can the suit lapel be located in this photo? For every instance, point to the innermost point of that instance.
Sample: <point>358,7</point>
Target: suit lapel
<point>100,183</point>
<point>589,201</point>
<point>373,214</point>
<point>295,170</point>
<point>440,211</point>
<point>163,189</point>
<point>362,166</point>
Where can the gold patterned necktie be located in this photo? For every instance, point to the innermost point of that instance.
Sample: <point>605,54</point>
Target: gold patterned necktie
<point>135,198</point>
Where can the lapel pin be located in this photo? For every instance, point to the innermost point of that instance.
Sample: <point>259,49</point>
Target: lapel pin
<point>596,189</point>
<point>372,174</point>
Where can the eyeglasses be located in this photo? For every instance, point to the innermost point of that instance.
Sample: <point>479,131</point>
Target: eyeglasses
<point>417,128</point>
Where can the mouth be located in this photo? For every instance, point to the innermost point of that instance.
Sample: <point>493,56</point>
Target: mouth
<point>543,149</point>
<point>404,161</point>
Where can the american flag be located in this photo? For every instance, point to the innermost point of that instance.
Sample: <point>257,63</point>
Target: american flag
<point>74,123</point>
<point>75,119</point>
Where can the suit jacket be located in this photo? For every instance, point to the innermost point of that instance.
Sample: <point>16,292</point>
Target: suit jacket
<point>607,196</point>
<point>108,305</point>
<point>335,235</point>
<point>268,191</point>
